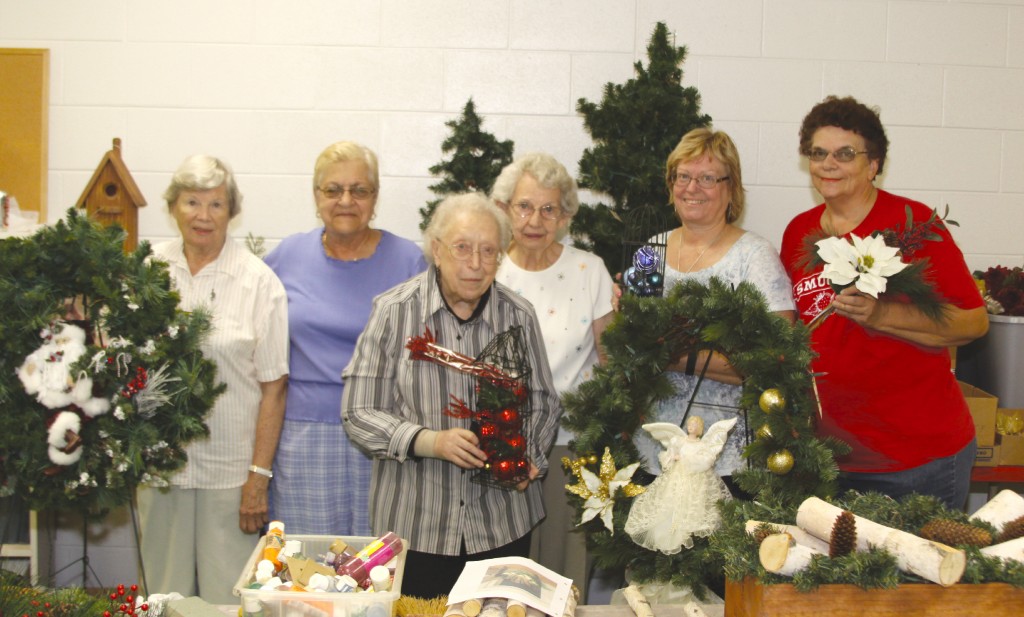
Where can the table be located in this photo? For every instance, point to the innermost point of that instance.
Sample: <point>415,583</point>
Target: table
<point>1001,474</point>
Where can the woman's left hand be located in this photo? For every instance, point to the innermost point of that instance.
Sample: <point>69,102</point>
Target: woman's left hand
<point>856,306</point>
<point>253,512</point>
<point>532,475</point>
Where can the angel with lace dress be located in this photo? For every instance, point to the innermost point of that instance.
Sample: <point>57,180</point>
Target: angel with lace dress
<point>682,502</point>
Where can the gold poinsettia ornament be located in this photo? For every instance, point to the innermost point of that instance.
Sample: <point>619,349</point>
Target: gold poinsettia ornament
<point>599,490</point>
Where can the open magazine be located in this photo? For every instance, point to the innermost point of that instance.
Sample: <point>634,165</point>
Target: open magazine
<point>513,578</point>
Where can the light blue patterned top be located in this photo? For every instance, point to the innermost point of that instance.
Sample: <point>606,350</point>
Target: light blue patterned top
<point>751,258</point>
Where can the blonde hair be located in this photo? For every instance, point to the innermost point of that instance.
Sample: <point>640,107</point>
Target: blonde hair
<point>342,151</point>
<point>699,143</point>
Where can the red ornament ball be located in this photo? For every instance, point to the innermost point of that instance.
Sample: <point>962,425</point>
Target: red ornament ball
<point>516,442</point>
<point>504,470</point>
<point>509,416</point>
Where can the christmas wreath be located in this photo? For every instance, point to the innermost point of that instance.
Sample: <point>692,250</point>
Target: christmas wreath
<point>786,461</point>
<point>102,382</point>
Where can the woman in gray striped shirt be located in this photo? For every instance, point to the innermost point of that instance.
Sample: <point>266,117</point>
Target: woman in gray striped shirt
<point>393,406</point>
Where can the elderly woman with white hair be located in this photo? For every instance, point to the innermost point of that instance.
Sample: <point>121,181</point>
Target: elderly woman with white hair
<point>187,543</point>
<point>394,406</point>
<point>571,291</point>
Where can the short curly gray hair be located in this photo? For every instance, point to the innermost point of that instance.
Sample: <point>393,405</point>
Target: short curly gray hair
<point>202,172</point>
<point>452,206</point>
<point>548,172</point>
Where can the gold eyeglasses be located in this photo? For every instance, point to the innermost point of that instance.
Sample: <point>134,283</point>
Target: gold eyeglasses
<point>463,251</point>
<point>843,155</point>
<point>333,191</point>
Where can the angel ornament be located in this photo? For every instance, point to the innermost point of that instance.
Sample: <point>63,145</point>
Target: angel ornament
<point>681,502</point>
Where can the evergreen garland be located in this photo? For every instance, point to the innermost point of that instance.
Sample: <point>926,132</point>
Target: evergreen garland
<point>139,349</point>
<point>634,128</point>
<point>477,157</point>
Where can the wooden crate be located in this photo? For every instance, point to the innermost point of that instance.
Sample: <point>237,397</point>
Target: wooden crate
<point>751,599</point>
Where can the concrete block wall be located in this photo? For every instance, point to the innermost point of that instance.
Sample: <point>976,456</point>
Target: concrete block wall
<point>266,85</point>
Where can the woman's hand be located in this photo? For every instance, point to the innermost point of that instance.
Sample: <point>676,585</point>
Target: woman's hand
<point>459,446</point>
<point>856,306</point>
<point>253,512</point>
<point>531,476</point>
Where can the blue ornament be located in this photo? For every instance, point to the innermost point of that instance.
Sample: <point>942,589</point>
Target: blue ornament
<point>646,259</point>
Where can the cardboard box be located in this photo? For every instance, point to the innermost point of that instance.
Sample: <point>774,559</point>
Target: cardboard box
<point>319,604</point>
<point>1011,449</point>
<point>987,456</point>
<point>983,410</point>
<point>749,598</point>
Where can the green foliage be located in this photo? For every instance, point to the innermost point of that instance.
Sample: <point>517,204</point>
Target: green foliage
<point>646,335</point>
<point>129,313</point>
<point>477,157</point>
<point>634,128</point>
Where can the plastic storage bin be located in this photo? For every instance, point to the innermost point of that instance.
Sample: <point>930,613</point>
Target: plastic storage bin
<point>319,604</point>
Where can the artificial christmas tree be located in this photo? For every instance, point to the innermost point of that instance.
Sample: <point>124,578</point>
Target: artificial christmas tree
<point>476,160</point>
<point>634,128</point>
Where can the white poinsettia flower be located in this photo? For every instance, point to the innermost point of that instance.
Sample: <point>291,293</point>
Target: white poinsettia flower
<point>865,262</point>
<point>602,494</point>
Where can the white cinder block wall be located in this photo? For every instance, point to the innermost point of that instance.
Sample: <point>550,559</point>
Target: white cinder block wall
<point>266,85</point>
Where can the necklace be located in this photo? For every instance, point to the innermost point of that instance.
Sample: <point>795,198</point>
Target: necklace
<point>327,250</point>
<point>679,249</point>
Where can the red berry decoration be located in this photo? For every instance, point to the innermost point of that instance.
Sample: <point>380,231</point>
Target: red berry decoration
<point>134,588</point>
<point>145,607</point>
<point>488,430</point>
<point>504,470</point>
<point>107,614</point>
<point>522,465</point>
<point>509,416</point>
<point>516,442</point>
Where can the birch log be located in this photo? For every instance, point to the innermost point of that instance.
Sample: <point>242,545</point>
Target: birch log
<point>799,535</point>
<point>637,601</point>
<point>1013,549</point>
<point>1001,509</point>
<point>931,561</point>
<point>515,608</point>
<point>571,602</point>
<point>780,554</point>
<point>472,607</point>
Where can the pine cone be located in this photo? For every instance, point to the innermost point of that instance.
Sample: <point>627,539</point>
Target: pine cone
<point>1012,530</point>
<point>955,534</point>
<point>763,531</point>
<point>844,535</point>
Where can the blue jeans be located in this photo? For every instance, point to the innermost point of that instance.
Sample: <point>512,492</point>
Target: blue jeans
<point>947,478</point>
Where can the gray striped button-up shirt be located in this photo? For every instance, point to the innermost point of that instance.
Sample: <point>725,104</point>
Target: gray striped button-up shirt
<point>388,397</point>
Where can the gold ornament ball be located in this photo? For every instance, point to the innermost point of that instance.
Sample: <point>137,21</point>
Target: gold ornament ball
<point>772,400</point>
<point>592,459</point>
<point>765,432</point>
<point>781,462</point>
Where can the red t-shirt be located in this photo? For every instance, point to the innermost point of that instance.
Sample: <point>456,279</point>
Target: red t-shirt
<point>896,403</point>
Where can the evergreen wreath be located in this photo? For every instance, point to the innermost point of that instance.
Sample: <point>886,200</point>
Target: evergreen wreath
<point>102,382</point>
<point>773,355</point>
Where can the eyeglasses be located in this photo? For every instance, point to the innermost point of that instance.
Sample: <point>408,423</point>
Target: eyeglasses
<point>704,181</point>
<point>525,210</point>
<point>843,155</point>
<point>337,192</point>
<point>463,251</point>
